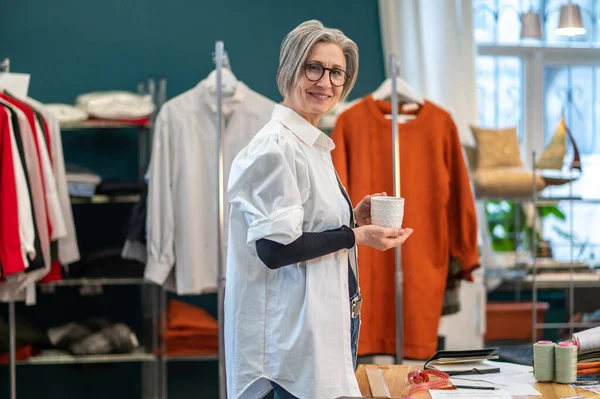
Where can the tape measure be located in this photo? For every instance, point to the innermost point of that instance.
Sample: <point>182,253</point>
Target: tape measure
<point>420,380</point>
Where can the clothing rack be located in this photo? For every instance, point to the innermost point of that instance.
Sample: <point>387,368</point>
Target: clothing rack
<point>221,60</point>
<point>154,298</point>
<point>5,67</point>
<point>397,191</point>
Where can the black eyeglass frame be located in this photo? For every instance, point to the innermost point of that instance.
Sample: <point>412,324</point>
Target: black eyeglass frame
<point>323,73</point>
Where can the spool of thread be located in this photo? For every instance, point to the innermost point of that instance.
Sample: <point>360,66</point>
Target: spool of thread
<point>543,361</point>
<point>588,339</point>
<point>565,357</point>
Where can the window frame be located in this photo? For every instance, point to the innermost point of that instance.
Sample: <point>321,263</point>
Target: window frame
<point>535,58</point>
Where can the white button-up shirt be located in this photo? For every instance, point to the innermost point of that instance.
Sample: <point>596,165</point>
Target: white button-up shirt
<point>290,325</point>
<point>182,197</point>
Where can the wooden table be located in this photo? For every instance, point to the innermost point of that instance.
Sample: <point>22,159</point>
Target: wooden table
<point>395,377</point>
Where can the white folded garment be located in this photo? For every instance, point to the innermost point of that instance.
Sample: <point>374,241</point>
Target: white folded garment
<point>66,113</point>
<point>116,104</point>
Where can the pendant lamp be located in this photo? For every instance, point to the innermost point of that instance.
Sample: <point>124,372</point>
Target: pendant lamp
<point>531,25</point>
<point>570,21</point>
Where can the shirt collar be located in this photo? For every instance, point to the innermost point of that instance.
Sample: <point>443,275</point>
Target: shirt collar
<point>306,132</point>
<point>228,105</point>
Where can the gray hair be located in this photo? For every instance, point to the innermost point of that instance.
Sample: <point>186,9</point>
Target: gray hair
<point>297,45</point>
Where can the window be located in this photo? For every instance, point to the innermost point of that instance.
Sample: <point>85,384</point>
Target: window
<point>531,84</point>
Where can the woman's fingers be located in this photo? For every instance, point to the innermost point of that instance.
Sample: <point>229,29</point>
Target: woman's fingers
<point>400,238</point>
<point>393,233</point>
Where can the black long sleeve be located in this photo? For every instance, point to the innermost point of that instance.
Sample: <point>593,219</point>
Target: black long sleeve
<point>308,246</point>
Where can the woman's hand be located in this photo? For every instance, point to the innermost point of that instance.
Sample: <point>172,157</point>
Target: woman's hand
<point>381,238</point>
<point>362,212</point>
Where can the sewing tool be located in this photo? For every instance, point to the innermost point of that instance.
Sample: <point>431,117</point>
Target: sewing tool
<point>476,387</point>
<point>543,361</point>
<point>420,380</point>
<point>565,357</point>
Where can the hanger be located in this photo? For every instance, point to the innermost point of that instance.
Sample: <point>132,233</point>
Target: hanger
<point>16,83</point>
<point>228,80</point>
<point>404,91</point>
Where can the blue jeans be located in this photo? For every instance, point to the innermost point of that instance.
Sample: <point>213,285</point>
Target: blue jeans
<point>281,393</point>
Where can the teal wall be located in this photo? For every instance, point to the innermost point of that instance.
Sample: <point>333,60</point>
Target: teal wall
<point>75,46</point>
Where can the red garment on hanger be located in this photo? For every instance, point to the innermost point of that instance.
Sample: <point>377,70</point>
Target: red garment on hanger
<point>439,207</point>
<point>11,256</point>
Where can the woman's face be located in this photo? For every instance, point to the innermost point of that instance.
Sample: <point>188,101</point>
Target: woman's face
<point>312,99</point>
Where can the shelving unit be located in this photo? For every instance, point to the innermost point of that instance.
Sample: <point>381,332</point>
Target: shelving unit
<point>147,353</point>
<point>555,275</point>
<point>144,354</point>
<point>542,274</point>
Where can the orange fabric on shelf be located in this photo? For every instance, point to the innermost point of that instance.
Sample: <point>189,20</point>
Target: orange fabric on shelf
<point>190,352</point>
<point>190,330</point>
<point>22,353</point>
<point>184,315</point>
<point>439,207</point>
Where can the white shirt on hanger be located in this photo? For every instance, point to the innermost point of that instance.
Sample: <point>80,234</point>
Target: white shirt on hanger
<point>182,198</point>
<point>290,325</point>
<point>68,248</point>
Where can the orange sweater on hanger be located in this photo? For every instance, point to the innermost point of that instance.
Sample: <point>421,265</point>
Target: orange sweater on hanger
<point>439,207</point>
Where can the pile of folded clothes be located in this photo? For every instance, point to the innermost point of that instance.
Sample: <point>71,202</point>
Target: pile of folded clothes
<point>111,106</point>
<point>190,330</point>
<point>94,336</point>
<point>81,181</point>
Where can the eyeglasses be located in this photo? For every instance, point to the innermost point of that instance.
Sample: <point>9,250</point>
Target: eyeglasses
<point>337,76</point>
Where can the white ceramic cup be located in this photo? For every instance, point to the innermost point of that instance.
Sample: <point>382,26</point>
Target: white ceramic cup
<point>387,211</point>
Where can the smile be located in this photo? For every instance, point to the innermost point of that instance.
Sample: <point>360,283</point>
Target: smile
<point>320,96</point>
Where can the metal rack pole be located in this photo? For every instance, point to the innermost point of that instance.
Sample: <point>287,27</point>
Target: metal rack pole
<point>220,54</point>
<point>534,254</point>
<point>571,259</point>
<point>162,307</point>
<point>13,347</point>
<point>398,250</point>
<point>5,67</point>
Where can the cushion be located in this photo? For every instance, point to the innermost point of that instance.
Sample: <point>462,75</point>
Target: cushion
<point>506,182</point>
<point>554,153</point>
<point>497,147</point>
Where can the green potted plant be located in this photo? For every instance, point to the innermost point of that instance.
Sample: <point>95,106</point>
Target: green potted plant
<point>509,229</point>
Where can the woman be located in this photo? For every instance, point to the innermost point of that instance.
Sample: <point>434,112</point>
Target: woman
<point>292,299</point>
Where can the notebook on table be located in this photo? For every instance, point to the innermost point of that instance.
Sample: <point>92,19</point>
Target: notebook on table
<point>464,362</point>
